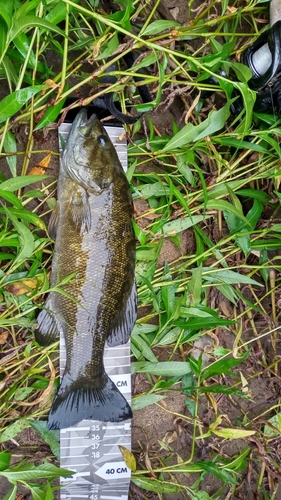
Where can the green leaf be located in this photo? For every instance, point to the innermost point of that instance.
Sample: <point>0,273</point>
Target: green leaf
<point>50,115</point>
<point>10,146</point>
<point>215,470</point>
<point>109,48</point>
<point>26,7</point>
<point>243,72</point>
<point>29,472</point>
<point>158,26</point>
<point>194,286</point>
<point>197,312</point>
<point>5,458</point>
<point>21,393</point>
<point>177,226</point>
<point>235,143</point>
<point>122,17</point>
<point>162,368</point>
<point>155,485</point>
<point>190,133</point>
<point>155,189</point>
<point>221,389</point>
<point>9,68</point>
<point>228,433</point>
<point>255,194</point>
<point>200,495</point>
<point>188,384</point>
<point>276,422</point>
<point>219,190</point>
<point>223,366</point>
<point>12,103</point>
<point>145,400</point>
<point>33,193</point>
<point>253,216</point>
<point>20,182</point>
<point>146,61</point>
<point>6,12</point>
<point>3,35</point>
<point>226,206</point>
<point>198,323</point>
<point>169,298</point>
<point>249,97</point>
<point>50,437</point>
<point>170,337</point>
<point>22,44</point>
<point>12,494</point>
<point>227,276</point>
<point>38,492</point>
<point>27,216</point>
<point>229,292</point>
<point>144,328</point>
<point>28,22</point>
<point>26,238</point>
<point>11,198</point>
<point>12,430</point>
<point>144,349</point>
<point>58,13</point>
<point>191,406</point>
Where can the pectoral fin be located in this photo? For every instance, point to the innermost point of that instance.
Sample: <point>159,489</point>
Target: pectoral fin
<point>121,327</point>
<point>48,326</point>
<point>80,208</point>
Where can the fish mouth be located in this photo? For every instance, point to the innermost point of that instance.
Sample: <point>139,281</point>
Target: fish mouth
<point>86,126</point>
<point>82,119</point>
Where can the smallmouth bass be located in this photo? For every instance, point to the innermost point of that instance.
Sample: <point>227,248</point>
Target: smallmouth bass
<point>95,243</point>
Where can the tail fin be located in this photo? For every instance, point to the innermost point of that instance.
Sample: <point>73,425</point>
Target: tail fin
<point>89,400</point>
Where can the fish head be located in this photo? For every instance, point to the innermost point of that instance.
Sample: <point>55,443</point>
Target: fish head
<point>89,157</point>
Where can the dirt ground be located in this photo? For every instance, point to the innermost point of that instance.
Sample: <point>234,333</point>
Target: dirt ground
<point>156,425</point>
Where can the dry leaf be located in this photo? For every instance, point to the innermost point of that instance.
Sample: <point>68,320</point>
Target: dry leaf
<point>244,382</point>
<point>213,402</point>
<point>47,391</point>
<point>22,287</point>
<point>148,465</point>
<point>3,337</point>
<point>129,458</point>
<point>231,9</point>
<point>170,437</point>
<point>41,167</point>
<point>51,84</point>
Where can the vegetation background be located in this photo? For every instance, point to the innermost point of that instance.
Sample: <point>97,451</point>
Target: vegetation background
<point>205,183</point>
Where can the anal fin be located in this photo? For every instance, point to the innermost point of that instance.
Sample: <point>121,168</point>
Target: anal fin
<point>121,326</point>
<point>48,327</point>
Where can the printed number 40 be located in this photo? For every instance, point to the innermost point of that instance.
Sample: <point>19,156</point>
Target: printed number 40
<point>110,471</point>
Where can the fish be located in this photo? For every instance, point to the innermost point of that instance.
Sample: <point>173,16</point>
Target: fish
<point>93,298</point>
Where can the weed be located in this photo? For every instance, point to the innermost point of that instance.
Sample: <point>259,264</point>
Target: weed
<point>25,473</point>
<point>199,184</point>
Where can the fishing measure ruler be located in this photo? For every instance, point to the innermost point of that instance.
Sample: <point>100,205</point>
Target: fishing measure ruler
<point>90,448</point>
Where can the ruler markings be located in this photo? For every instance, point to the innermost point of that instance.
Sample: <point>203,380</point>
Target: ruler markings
<point>111,453</point>
<point>87,484</point>
<point>71,429</point>
<point>115,444</point>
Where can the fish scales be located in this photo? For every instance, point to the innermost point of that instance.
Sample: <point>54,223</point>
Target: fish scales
<point>95,244</point>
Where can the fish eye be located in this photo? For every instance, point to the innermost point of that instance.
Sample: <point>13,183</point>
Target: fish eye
<point>102,140</point>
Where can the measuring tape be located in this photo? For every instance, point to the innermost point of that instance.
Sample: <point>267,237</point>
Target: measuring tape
<point>90,448</point>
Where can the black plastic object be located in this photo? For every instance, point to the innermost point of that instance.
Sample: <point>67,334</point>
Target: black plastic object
<point>268,85</point>
<point>106,106</point>
<point>273,38</point>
